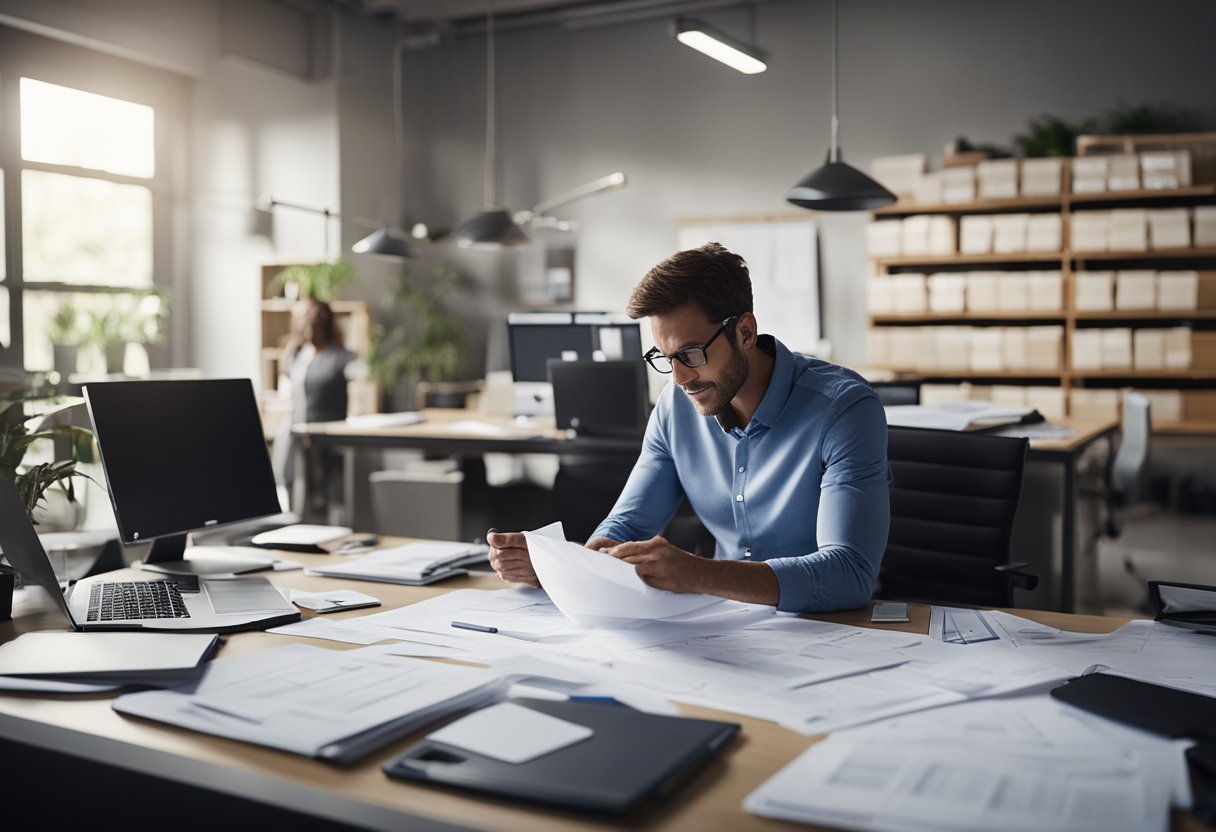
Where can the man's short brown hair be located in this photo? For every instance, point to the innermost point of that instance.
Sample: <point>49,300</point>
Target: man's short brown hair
<point>711,276</point>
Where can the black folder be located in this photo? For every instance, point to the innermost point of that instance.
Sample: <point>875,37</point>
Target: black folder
<point>633,757</point>
<point>1166,711</point>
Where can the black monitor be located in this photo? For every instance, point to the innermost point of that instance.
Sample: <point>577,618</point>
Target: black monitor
<point>600,398</point>
<point>182,456</point>
<point>582,336</point>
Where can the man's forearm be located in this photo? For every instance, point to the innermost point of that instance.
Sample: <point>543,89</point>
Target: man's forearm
<point>752,583</point>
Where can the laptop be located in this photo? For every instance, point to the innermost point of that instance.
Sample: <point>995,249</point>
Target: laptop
<point>187,603</point>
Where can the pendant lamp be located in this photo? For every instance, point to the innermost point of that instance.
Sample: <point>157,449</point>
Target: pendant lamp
<point>494,227</point>
<point>837,186</point>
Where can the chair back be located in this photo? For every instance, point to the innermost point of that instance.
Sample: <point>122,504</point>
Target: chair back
<point>952,507</point>
<point>1127,471</point>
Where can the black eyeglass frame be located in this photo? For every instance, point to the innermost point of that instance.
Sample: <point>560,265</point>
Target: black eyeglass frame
<point>683,355</point>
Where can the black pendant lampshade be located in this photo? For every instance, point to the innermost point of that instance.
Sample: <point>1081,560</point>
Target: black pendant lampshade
<point>387,242</point>
<point>492,228</point>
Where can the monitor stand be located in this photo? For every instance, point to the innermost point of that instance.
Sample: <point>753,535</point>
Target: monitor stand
<point>170,556</point>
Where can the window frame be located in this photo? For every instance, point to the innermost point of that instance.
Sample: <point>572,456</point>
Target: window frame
<point>23,54</point>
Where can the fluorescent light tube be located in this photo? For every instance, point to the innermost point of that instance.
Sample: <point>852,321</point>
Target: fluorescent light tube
<point>719,46</point>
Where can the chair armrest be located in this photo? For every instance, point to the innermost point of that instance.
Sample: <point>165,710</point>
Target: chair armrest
<point>1013,573</point>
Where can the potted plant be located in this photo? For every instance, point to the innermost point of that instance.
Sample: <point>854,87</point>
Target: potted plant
<point>107,332</point>
<point>315,280</point>
<point>427,345</point>
<point>145,317</point>
<point>65,334</point>
<point>34,481</point>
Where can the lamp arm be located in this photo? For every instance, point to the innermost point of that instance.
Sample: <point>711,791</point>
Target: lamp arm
<point>351,218</point>
<point>605,183</point>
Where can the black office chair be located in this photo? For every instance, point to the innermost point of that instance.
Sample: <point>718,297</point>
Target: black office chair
<point>952,507</point>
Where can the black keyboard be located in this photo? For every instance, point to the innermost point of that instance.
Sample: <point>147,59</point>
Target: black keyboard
<point>126,600</point>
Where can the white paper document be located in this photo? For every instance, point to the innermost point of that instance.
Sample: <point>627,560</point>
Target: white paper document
<point>511,733</point>
<point>413,563</point>
<point>591,587</point>
<point>299,534</point>
<point>1021,764</point>
<point>385,420</point>
<point>334,704</point>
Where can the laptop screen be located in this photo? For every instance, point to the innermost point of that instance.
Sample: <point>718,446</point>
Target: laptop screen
<point>21,546</point>
<point>605,397</point>
<point>181,455</point>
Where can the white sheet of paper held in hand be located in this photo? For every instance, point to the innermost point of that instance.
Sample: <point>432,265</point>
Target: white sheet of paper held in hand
<point>592,588</point>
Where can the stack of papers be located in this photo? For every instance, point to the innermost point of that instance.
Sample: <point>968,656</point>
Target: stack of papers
<point>385,420</point>
<point>100,658</point>
<point>964,415</point>
<point>299,537</point>
<point>415,564</point>
<point>337,705</point>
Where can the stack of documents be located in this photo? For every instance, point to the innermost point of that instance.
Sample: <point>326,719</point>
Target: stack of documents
<point>101,658</point>
<point>965,415</point>
<point>1015,764</point>
<point>415,564</point>
<point>337,705</point>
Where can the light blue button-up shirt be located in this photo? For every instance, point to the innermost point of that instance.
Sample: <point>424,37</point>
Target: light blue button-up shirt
<point>804,487</point>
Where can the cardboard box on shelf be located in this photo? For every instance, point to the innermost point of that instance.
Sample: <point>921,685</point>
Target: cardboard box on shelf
<point>1169,228</point>
<point>998,178</point>
<point>1044,232</point>
<point>1015,347</point>
<point>1041,177</point>
<point>1148,349</point>
<point>1096,405</point>
<point>1164,405</point>
<point>982,291</point>
<point>883,238</point>
<point>928,190</point>
<point>1089,174</point>
<point>1178,348</point>
<point>1013,292</point>
<point>907,349</point>
<point>1123,172</point>
<point>1094,291</point>
<point>952,347</point>
<point>947,292</point>
<point>1049,401</point>
<point>1160,169</point>
<point>1178,289</point>
<point>1045,348</point>
<point>1087,349</point>
<point>1116,348</point>
<point>1090,231</point>
<point>1046,291</point>
<point>1009,233</point>
<point>1136,289</point>
<point>975,234</point>
<point>937,393</point>
<point>880,295</point>
<point>878,347</point>
<point>1128,230</point>
<point>958,184</point>
<point>1009,395</point>
<point>899,174</point>
<point>914,239</point>
<point>986,353</point>
<point>1205,225</point>
<point>942,235</point>
<point>911,297</point>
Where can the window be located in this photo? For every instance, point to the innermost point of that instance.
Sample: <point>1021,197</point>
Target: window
<point>85,157</point>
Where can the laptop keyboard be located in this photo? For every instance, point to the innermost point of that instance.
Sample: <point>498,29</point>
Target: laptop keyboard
<point>125,600</point>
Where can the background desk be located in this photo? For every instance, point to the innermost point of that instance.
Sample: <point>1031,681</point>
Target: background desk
<point>59,751</point>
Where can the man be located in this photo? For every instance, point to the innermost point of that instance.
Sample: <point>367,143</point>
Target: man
<point>783,457</point>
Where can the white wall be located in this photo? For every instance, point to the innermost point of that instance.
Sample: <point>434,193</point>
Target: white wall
<point>697,138</point>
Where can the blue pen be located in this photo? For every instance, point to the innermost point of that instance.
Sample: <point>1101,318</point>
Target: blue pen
<point>481,628</point>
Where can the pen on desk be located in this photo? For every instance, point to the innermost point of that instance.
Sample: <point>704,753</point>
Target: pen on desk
<point>481,628</point>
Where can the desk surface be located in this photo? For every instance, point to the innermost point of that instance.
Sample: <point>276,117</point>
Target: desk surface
<point>711,802</point>
<point>543,437</point>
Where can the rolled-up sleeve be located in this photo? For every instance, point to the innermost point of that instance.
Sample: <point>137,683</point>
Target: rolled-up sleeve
<point>853,521</point>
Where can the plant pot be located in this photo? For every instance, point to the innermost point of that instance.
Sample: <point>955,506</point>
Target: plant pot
<point>65,359</point>
<point>116,354</point>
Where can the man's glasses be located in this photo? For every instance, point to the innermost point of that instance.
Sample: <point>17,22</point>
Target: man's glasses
<point>691,357</point>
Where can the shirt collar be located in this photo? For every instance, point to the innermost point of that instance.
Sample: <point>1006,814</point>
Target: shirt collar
<point>779,385</point>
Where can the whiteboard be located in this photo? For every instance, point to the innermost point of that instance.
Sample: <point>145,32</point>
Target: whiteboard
<point>782,256</point>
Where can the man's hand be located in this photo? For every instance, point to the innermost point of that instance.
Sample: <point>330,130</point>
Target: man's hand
<point>663,565</point>
<point>510,559</point>
<point>601,544</point>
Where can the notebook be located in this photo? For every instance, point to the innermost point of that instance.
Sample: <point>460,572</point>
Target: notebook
<point>631,758</point>
<point>414,564</point>
<point>194,603</point>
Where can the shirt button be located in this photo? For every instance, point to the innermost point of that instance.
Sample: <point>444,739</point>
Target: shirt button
<point>740,469</point>
<point>738,498</point>
<point>747,553</point>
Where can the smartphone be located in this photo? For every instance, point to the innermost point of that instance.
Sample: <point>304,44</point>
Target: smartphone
<point>889,612</point>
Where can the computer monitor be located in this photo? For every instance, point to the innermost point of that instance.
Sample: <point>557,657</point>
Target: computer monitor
<point>182,456</point>
<point>535,337</point>
<point>600,398</point>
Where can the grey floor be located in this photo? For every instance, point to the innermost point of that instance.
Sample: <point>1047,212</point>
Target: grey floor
<point>1155,544</point>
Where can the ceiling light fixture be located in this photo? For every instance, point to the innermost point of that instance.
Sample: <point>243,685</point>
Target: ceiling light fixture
<point>720,46</point>
<point>384,239</point>
<point>536,216</point>
<point>493,227</point>
<point>836,186</point>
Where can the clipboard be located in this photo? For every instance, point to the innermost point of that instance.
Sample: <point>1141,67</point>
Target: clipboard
<point>633,757</point>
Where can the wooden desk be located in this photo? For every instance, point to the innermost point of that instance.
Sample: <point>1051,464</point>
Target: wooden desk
<point>48,745</point>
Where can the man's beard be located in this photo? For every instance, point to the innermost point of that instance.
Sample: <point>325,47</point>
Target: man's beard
<point>728,386</point>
